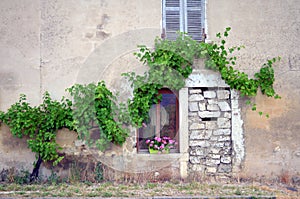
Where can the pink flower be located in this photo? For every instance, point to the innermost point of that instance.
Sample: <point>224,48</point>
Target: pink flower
<point>147,141</point>
<point>158,140</point>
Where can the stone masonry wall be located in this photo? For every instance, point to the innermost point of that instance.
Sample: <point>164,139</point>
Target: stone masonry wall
<point>210,143</point>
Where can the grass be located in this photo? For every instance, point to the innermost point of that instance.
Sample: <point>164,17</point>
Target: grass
<point>108,189</point>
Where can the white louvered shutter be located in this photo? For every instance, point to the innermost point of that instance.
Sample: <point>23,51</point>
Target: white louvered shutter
<point>194,19</point>
<point>172,21</point>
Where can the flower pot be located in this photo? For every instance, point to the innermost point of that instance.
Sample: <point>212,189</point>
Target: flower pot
<point>154,151</point>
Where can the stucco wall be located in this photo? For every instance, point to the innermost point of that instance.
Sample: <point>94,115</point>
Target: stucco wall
<point>267,29</point>
<point>50,45</point>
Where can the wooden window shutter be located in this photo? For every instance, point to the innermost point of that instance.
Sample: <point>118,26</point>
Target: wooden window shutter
<point>194,19</point>
<point>172,20</point>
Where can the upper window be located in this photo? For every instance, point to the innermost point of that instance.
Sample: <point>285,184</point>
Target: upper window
<point>163,120</point>
<point>184,16</point>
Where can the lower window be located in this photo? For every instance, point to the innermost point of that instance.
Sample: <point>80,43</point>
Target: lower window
<point>163,121</point>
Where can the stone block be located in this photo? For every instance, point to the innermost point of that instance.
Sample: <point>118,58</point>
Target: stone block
<point>193,114</point>
<point>213,107</point>
<point>226,114</point>
<point>222,132</point>
<point>212,162</point>
<point>209,94</point>
<point>223,94</point>
<point>201,135</point>
<point>209,114</point>
<point>219,144</point>
<point>215,150</point>
<point>223,122</point>
<point>195,160</point>
<point>195,167</point>
<point>193,106</point>
<point>196,97</point>
<point>214,138</point>
<point>196,126</point>
<point>224,106</point>
<point>198,152</point>
<point>226,159</point>
<point>224,138</point>
<point>215,156</point>
<point>199,143</point>
<point>212,101</point>
<point>224,168</point>
<point>195,91</point>
<point>202,106</point>
<point>211,169</point>
<point>211,125</point>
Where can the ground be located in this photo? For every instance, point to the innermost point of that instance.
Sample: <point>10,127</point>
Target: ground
<point>174,189</point>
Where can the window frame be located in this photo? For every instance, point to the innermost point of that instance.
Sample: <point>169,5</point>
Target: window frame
<point>183,18</point>
<point>157,128</point>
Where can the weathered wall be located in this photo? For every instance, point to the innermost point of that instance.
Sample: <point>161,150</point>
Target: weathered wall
<point>267,29</point>
<point>50,45</point>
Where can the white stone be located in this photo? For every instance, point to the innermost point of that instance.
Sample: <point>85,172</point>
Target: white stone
<point>199,143</point>
<point>226,159</point>
<point>195,167</point>
<point>197,152</point>
<point>195,91</point>
<point>194,159</point>
<point>223,94</point>
<point>211,169</point>
<point>193,114</point>
<point>223,122</point>
<point>201,135</point>
<point>209,114</point>
<point>219,144</point>
<point>196,97</point>
<point>226,114</point>
<point>202,106</point>
<point>211,125</point>
<point>215,156</point>
<point>224,106</point>
<point>215,150</point>
<point>212,101</point>
<point>213,107</point>
<point>193,106</point>
<point>209,94</point>
<point>222,132</point>
<point>195,126</point>
<point>224,138</point>
<point>212,162</point>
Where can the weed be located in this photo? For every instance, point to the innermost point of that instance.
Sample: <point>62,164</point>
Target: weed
<point>74,173</point>
<point>23,177</point>
<point>53,178</point>
<point>151,185</point>
<point>238,192</point>
<point>99,172</point>
<point>107,194</point>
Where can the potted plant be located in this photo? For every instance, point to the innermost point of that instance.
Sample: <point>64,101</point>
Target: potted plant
<point>160,144</point>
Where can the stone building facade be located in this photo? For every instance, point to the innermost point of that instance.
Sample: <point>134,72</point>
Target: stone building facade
<point>51,45</point>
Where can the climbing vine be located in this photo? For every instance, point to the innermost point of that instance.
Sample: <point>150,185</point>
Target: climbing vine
<point>95,106</point>
<point>39,125</point>
<point>170,63</point>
